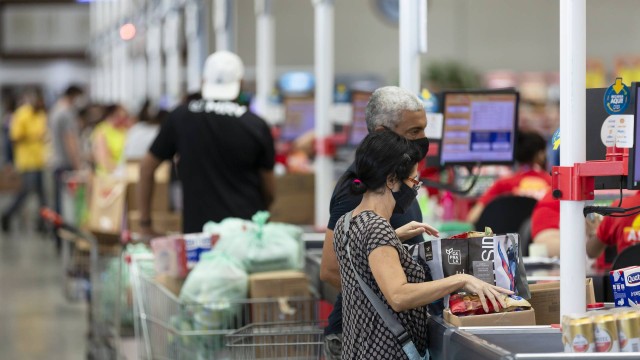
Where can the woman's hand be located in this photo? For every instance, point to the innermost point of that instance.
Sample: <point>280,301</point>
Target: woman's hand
<point>484,291</point>
<point>414,229</point>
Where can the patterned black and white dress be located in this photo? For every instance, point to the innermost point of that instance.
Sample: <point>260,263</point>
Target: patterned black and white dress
<point>365,334</point>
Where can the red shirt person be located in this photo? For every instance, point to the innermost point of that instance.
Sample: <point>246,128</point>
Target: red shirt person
<point>545,224</point>
<point>530,180</point>
<point>621,232</point>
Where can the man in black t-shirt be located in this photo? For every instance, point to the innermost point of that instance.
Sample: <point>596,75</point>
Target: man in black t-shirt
<point>225,153</point>
<point>401,111</point>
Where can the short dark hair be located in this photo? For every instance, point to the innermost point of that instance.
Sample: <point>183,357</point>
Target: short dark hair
<point>110,110</point>
<point>528,145</point>
<point>380,155</point>
<point>73,90</point>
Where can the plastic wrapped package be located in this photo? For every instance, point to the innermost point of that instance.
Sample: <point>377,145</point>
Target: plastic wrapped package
<point>214,284</point>
<point>262,246</point>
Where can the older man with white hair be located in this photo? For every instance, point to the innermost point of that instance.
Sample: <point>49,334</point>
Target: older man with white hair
<point>398,110</point>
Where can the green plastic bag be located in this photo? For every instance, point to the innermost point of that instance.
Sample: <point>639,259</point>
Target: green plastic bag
<point>259,245</point>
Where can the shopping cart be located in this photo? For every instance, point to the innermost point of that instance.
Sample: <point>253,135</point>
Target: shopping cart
<point>95,277</point>
<point>167,328</point>
<point>289,340</point>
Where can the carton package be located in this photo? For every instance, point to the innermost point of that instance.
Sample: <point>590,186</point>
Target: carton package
<point>281,285</point>
<point>160,200</point>
<point>294,199</point>
<point>514,318</point>
<point>163,222</point>
<point>626,286</point>
<point>545,299</point>
<point>174,285</point>
<point>176,255</point>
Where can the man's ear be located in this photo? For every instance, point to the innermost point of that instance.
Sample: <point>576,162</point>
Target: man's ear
<point>379,128</point>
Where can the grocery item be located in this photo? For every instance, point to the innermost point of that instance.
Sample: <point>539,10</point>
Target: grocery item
<point>626,286</point>
<point>606,333</point>
<point>494,259</point>
<point>469,304</point>
<point>579,335</point>
<point>628,323</point>
<point>259,245</point>
<point>216,284</point>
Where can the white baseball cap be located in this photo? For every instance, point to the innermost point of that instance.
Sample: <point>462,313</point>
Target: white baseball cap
<point>223,72</point>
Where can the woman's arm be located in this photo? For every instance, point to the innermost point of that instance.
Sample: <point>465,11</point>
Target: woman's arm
<point>402,295</point>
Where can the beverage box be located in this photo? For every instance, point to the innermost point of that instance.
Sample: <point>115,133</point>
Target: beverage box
<point>626,286</point>
<point>176,255</point>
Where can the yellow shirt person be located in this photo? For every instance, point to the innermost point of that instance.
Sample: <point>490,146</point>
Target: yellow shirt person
<point>28,134</point>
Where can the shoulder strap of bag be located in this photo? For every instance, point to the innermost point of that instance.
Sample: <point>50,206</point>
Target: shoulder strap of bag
<point>389,318</point>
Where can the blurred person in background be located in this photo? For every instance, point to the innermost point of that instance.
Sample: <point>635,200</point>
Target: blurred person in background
<point>108,140</point>
<point>28,134</point>
<point>226,152</point>
<point>142,133</point>
<point>10,107</point>
<point>531,178</point>
<point>65,141</point>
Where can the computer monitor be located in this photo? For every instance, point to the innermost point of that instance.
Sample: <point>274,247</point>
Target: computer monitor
<point>479,127</point>
<point>299,117</point>
<point>358,130</point>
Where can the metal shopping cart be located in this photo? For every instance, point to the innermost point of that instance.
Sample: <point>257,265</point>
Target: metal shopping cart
<point>95,277</point>
<point>287,340</point>
<point>167,328</point>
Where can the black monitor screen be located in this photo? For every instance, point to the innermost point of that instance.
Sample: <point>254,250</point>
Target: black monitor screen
<point>479,126</point>
<point>299,117</point>
<point>359,101</point>
<point>636,148</point>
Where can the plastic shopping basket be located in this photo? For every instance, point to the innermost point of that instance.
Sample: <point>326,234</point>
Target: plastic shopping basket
<point>167,328</point>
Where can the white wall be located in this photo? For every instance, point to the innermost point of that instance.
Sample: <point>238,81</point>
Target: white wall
<point>521,35</point>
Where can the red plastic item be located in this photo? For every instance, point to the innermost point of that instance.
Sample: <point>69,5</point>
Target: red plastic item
<point>577,182</point>
<point>51,216</point>
<point>595,306</point>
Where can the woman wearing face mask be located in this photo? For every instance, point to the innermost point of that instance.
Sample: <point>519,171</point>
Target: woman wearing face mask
<point>108,140</point>
<point>386,174</point>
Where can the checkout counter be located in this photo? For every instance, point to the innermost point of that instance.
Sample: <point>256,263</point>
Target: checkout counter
<point>447,342</point>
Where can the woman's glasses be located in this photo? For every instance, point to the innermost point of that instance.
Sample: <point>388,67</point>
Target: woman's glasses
<point>416,183</point>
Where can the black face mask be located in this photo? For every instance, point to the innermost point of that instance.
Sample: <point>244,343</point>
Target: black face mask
<point>404,198</point>
<point>423,146</point>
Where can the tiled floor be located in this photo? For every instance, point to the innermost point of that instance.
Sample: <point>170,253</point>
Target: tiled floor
<point>36,321</point>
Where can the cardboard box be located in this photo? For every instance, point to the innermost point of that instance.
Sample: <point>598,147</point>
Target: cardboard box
<point>163,222</point>
<point>172,284</point>
<point>160,201</point>
<point>294,199</point>
<point>275,284</point>
<point>626,286</point>
<point>282,285</point>
<point>545,299</point>
<point>515,318</point>
<point>10,180</point>
<point>106,208</point>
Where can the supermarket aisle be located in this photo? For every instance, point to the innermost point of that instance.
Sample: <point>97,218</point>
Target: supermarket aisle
<point>36,322</point>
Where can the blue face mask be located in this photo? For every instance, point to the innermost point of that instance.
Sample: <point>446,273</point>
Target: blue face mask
<point>404,198</point>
